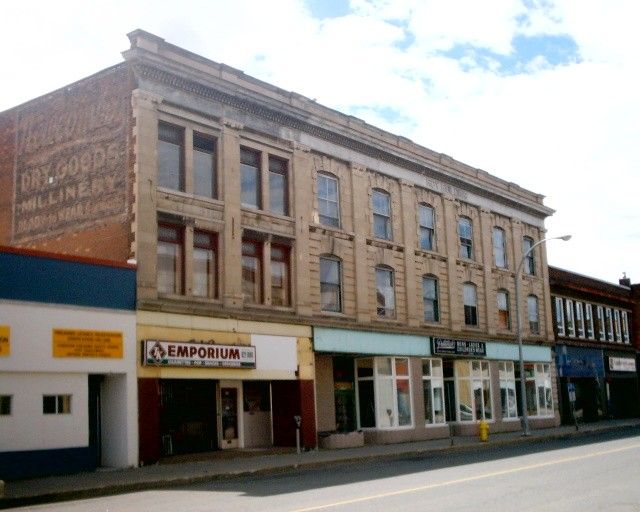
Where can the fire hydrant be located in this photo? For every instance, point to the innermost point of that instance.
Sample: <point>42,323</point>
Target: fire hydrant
<point>483,431</point>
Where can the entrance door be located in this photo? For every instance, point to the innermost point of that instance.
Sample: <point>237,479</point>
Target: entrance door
<point>230,423</point>
<point>95,420</point>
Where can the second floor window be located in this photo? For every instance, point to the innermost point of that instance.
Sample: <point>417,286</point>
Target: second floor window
<point>204,264</point>
<point>426,216</point>
<point>382,215</point>
<point>470,299</point>
<point>328,200</point>
<point>250,178</point>
<point>385,293</point>
<point>170,257</point>
<point>278,186</point>
<point>580,319</point>
<point>559,311</point>
<point>532,309</point>
<point>330,284</point>
<point>499,248</point>
<point>529,262</point>
<point>504,321</point>
<point>252,271</point>
<point>430,299</point>
<point>170,156</point>
<point>280,275</point>
<point>204,166</point>
<point>465,232</point>
<point>588,317</point>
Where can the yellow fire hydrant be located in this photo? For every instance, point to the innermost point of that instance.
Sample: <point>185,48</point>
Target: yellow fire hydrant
<point>483,431</point>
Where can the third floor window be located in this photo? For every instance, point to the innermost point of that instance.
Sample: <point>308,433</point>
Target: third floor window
<point>529,262</point>
<point>328,200</point>
<point>250,179</point>
<point>382,215</point>
<point>465,232</point>
<point>499,248</point>
<point>427,231</point>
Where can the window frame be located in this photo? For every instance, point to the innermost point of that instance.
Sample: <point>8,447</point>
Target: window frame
<point>426,227</point>
<point>256,165</point>
<point>163,139</point>
<point>212,273</point>
<point>384,217</point>
<point>617,325</point>
<point>257,297</point>
<point>533,314</point>
<point>338,262</point>
<point>530,260</point>
<point>570,318</point>
<point>323,218</point>
<point>506,324</point>
<point>608,319</point>
<point>282,171</point>
<point>62,404</point>
<point>580,325</point>
<point>588,318</point>
<point>499,241</point>
<point>284,260</point>
<point>540,379</point>
<point>507,379</point>
<point>559,315</point>
<point>625,327</point>
<point>6,405</point>
<point>435,380</point>
<point>435,303</point>
<point>473,377</point>
<point>382,311</point>
<point>465,249</point>
<point>179,260</point>
<point>214,171</point>
<point>470,310</point>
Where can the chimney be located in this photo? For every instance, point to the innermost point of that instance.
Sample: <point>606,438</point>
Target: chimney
<point>624,280</point>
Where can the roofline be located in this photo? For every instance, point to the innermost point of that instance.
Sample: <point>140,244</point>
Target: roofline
<point>595,279</point>
<point>23,251</point>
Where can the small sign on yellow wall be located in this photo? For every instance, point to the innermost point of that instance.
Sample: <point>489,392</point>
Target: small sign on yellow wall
<point>79,343</point>
<point>5,341</point>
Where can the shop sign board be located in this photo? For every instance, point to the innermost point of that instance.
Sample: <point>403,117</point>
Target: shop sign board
<point>447,346</point>
<point>622,364</point>
<point>172,353</point>
<point>5,341</point>
<point>89,344</point>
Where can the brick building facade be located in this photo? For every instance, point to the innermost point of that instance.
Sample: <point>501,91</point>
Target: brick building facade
<point>373,277</point>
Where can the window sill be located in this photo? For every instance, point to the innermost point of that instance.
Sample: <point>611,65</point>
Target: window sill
<point>268,307</point>
<point>266,213</point>
<point>189,195</point>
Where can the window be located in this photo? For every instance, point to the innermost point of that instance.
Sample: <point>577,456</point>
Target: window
<point>538,397</point>
<point>278,186</point>
<point>616,323</point>
<point>559,310</point>
<point>430,299</point>
<point>499,248</point>
<point>204,166</point>
<point>625,327</point>
<point>56,404</point>
<point>5,405</point>
<point>530,261</point>
<point>330,284</point>
<point>170,156</point>
<point>608,319</point>
<point>504,319</point>
<point>382,215</point>
<point>433,391</point>
<point>252,271</point>
<point>588,316</point>
<point>250,178</point>
<point>532,309</point>
<point>170,258</point>
<point>427,232</point>
<point>580,319</point>
<point>473,382</point>
<point>280,275</point>
<point>328,200</point>
<point>385,294</point>
<point>600,321</point>
<point>470,300</point>
<point>465,232</point>
<point>204,264</point>
<point>508,395</point>
<point>568,304</point>
<point>384,392</point>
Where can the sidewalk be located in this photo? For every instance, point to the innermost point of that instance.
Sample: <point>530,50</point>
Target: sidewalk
<point>104,482</point>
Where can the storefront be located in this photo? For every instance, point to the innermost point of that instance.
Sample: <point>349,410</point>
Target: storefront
<point>621,384</point>
<point>222,385</point>
<point>396,388</point>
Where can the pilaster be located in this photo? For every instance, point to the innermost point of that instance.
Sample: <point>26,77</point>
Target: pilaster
<point>360,188</point>
<point>302,201</point>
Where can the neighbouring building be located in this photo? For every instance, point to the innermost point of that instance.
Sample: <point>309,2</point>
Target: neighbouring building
<point>596,346</point>
<point>68,393</point>
<point>292,261</point>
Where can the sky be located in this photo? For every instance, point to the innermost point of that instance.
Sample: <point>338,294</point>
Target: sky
<point>542,93</point>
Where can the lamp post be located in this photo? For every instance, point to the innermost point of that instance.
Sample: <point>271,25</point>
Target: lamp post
<point>523,401</point>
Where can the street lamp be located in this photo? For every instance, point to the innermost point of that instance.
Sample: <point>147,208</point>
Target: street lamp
<point>523,405</point>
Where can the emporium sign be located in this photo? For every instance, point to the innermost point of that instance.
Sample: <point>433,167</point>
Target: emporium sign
<point>170,353</point>
<point>447,346</point>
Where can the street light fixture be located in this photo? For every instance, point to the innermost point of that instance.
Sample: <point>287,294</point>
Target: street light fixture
<point>523,404</point>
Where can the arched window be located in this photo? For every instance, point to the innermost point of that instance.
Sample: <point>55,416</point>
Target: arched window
<point>470,299</point>
<point>430,298</point>
<point>499,248</point>
<point>532,309</point>
<point>328,200</point>
<point>382,215</point>
<point>385,293</point>
<point>504,317</point>
<point>465,232</point>
<point>530,261</point>
<point>330,283</point>
<point>426,220</point>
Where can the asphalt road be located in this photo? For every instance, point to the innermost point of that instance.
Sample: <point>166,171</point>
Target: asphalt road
<point>598,472</point>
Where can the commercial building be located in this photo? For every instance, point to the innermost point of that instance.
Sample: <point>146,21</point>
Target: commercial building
<point>68,394</point>
<point>596,346</point>
<point>293,261</point>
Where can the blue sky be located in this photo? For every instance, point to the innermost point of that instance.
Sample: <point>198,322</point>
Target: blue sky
<point>543,93</point>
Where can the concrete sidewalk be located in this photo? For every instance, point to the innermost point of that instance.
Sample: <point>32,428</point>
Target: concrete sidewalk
<point>103,482</point>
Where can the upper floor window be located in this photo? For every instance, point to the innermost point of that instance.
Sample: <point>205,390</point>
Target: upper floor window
<point>252,271</point>
<point>504,320</point>
<point>499,248</point>
<point>571,330</point>
<point>280,275</point>
<point>616,323</point>
<point>385,293</point>
<point>250,188</point>
<point>588,317</point>
<point>470,299</point>
<point>204,166</point>
<point>204,264</point>
<point>170,156</point>
<point>382,215</point>
<point>602,336</point>
<point>529,262</point>
<point>330,284</point>
<point>430,299</point>
<point>328,200</point>
<point>278,186</point>
<point>580,319</point>
<point>625,327</point>
<point>427,231</point>
<point>5,405</point>
<point>608,319</point>
<point>532,309</point>
<point>465,232</point>
<point>170,257</point>
<point>559,311</point>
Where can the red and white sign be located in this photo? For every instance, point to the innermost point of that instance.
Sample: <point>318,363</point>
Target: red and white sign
<point>170,353</point>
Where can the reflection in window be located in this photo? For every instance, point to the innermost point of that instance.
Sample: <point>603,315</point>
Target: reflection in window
<point>430,299</point>
<point>532,308</point>
<point>385,294</point>
<point>538,391</point>
<point>529,262</point>
<point>433,391</point>
<point>473,382</point>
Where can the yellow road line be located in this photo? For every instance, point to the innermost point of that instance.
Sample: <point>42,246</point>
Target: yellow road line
<point>468,479</point>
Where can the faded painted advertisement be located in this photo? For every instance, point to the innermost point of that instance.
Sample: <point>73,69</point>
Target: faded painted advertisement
<point>70,166</point>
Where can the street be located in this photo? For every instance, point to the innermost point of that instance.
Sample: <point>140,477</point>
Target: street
<point>594,472</point>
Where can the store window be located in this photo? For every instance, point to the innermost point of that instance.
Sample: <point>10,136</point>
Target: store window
<point>170,257</point>
<point>499,248</point>
<point>385,293</point>
<point>328,200</point>
<point>473,390</point>
<point>252,271</point>
<point>588,317</point>
<point>559,314</point>
<point>571,331</point>
<point>465,234</point>
<point>56,404</point>
<point>580,319</point>
<point>433,391</point>
<point>170,156</point>
<point>384,392</point>
<point>537,388</point>
<point>430,299</point>
<point>508,395</point>
<point>331,283</point>
<point>280,276</point>
<point>504,318</point>
<point>533,313</point>
<point>382,215</point>
<point>470,299</point>
<point>278,186</point>
<point>5,405</point>
<point>530,261</point>
<point>250,195</point>
<point>204,264</point>
<point>427,227</point>
<point>204,166</point>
